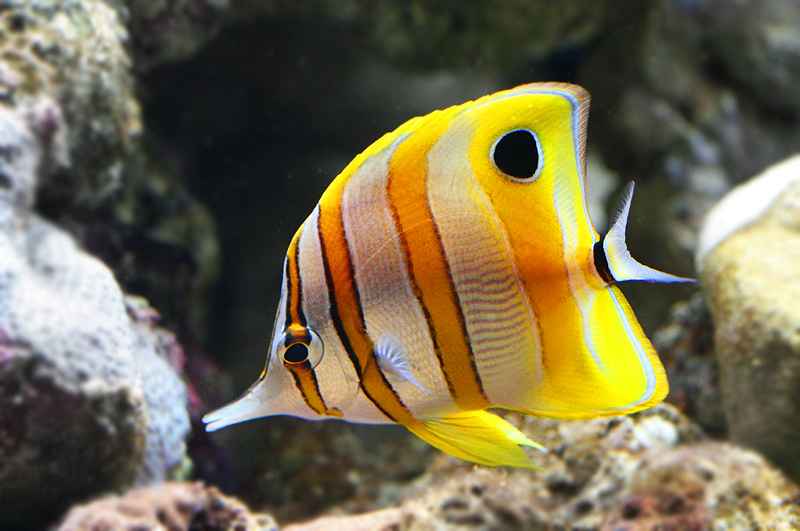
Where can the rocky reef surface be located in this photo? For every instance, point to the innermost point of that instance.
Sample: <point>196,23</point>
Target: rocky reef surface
<point>749,258</point>
<point>89,398</point>
<point>155,158</point>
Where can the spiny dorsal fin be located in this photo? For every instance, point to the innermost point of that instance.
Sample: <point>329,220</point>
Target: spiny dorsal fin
<point>618,260</point>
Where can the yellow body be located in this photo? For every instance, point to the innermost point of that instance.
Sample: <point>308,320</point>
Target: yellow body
<point>452,267</point>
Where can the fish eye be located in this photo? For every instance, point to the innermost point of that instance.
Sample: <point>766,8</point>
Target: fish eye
<point>300,344</point>
<point>296,353</point>
<point>518,154</point>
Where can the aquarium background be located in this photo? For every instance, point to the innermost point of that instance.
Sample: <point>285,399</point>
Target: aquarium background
<point>183,143</point>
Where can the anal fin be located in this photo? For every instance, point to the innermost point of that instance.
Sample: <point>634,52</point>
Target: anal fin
<point>479,437</point>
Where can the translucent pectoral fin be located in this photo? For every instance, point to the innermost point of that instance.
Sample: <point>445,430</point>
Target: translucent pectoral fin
<point>479,437</point>
<point>393,359</point>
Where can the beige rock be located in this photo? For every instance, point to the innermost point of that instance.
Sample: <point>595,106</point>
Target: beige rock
<point>750,270</point>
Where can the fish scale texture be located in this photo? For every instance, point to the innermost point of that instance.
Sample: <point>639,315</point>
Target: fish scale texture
<point>88,399</point>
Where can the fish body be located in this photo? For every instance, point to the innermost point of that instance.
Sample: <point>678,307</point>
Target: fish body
<point>452,267</point>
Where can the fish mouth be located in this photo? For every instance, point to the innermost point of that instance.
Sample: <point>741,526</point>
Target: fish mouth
<point>246,407</point>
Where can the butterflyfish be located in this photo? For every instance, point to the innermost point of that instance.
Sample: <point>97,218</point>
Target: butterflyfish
<point>452,267</point>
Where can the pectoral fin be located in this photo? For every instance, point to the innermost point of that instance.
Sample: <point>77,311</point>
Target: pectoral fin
<point>479,437</point>
<point>393,359</point>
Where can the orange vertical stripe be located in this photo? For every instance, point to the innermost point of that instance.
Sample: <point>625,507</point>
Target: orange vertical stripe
<point>428,268</point>
<point>346,312</point>
<point>294,301</point>
<point>306,381</point>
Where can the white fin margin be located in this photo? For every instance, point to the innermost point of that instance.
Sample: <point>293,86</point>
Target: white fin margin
<point>620,262</point>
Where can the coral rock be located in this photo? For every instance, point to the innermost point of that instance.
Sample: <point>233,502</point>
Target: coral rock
<point>749,259</point>
<point>386,519</point>
<point>73,52</point>
<point>647,471</point>
<point>170,506</point>
<point>88,401</point>
<point>707,486</point>
<point>685,345</point>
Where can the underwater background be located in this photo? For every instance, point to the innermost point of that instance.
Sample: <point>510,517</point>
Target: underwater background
<point>157,157</point>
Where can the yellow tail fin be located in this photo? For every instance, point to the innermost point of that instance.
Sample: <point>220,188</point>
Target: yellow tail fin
<point>479,437</point>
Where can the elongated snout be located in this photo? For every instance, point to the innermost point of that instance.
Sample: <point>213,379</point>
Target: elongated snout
<point>246,407</point>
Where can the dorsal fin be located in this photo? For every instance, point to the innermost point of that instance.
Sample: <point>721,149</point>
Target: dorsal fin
<point>616,261</point>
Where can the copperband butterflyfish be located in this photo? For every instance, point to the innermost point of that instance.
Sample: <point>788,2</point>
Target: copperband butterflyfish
<point>452,267</point>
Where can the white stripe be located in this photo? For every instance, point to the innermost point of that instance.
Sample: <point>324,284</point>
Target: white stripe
<point>336,377</point>
<point>507,349</point>
<point>388,299</point>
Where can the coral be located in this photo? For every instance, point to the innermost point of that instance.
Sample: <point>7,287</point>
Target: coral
<point>707,486</point>
<point>421,34</point>
<point>763,55</point>
<point>418,35</point>
<point>386,519</point>
<point>73,53</point>
<point>67,64</point>
<point>172,506</point>
<point>749,256</point>
<point>88,402</point>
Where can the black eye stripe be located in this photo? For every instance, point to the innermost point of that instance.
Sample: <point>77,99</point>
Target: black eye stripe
<point>518,155</point>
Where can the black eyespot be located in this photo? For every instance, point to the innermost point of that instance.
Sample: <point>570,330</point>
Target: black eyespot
<point>296,353</point>
<point>517,154</point>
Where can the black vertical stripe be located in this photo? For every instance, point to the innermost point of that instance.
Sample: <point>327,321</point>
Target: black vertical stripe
<point>337,321</point>
<point>601,262</point>
<point>297,374</point>
<point>333,306</point>
<point>437,349</point>
<point>460,311</point>
<point>292,270</point>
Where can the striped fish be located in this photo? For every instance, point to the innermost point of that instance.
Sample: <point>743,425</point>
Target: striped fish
<point>452,267</point>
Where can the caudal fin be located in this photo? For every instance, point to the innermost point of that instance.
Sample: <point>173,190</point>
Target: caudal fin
<point>615,261</point>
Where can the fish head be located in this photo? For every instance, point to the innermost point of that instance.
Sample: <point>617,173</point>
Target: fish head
<point>298,368</point>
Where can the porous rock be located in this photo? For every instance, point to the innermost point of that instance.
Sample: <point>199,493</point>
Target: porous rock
<point>460,34</point>
<point>88,402</point>
<point>749,258</point>
<point>650,470</point>
<point>421,34</point>
<point>685,344</point>
<point>706,486</point>
<point>72,53</point>
<point>168,506</point>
